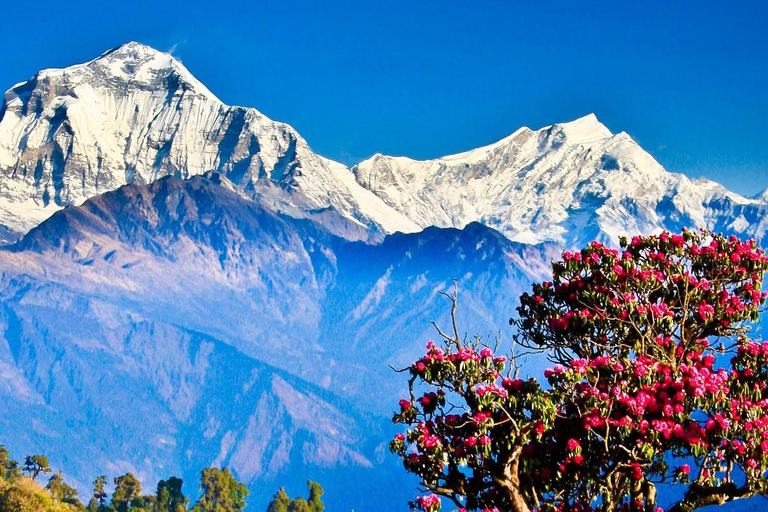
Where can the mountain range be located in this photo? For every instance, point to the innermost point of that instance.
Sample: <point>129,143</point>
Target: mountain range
<point>186,283</point>
<point>136,114</point>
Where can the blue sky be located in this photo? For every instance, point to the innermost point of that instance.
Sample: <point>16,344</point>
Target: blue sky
<point>688,80</point>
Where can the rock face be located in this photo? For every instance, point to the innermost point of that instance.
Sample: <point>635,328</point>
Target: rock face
<point>134,115</point>
<point>568,183</point>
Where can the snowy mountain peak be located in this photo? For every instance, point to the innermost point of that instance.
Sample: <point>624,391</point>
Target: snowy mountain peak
<point>135,65</point>
<point>131,49</point>
<point>482,152</point>
<point>585,130</point>
<point>135,114</point>
<point>568,183</point>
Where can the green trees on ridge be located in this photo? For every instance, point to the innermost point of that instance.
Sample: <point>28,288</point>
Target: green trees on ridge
<point>220,492</point>
<point>282,503</point>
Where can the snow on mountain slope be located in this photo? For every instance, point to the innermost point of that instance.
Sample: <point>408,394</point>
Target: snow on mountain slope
<point>136,114</point>
<point>567,183</point>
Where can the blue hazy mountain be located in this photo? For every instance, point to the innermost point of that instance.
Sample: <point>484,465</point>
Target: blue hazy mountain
<point>162,328</point>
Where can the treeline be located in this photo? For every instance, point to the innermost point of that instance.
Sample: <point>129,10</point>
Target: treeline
<point>282,503</point>
<point>220,492</point>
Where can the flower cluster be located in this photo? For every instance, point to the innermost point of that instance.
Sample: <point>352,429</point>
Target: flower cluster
<point>442,438</point>
<point>604,300</point>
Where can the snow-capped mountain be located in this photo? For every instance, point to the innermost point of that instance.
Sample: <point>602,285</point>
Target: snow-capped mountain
<point>568,183</point>
<point>136,114</point>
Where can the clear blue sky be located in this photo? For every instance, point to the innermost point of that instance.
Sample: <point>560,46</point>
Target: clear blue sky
<point>688,80</point>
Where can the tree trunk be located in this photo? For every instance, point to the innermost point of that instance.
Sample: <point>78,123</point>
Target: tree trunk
<point>511,482</point>
<point>517,500</point>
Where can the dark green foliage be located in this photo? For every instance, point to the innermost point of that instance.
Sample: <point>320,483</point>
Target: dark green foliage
<point>99,495</point>
<point>299,505</point>
<point>127,493</point>
<point>93,505</point>
<point>169,496</point>
<point>221,492</point>
<point>9,468</point>
<point>315,493</point>
<point>282,503</point>
<point>36,464</point>
<point>61,491</point>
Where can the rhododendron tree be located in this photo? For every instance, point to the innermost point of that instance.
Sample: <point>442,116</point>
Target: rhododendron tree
<point>655,381</point>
